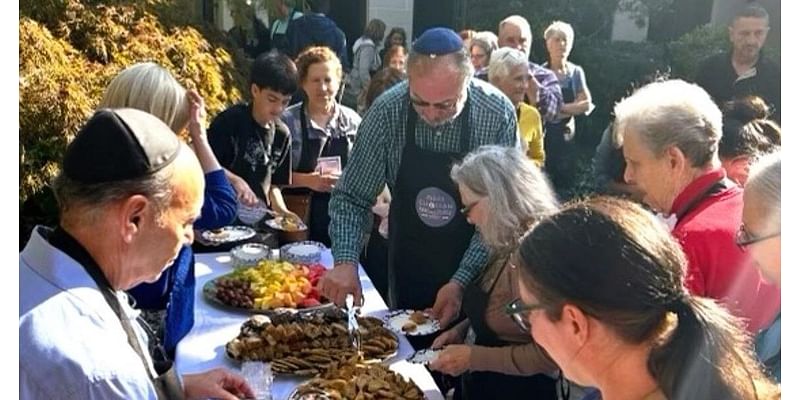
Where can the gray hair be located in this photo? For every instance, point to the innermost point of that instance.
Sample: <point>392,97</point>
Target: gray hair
<point>84,201</point>
<point>765,183</point>
<point>560,28</point>
<point>486,40</point>
<point>151,88</point>
<point>503,61</point>
<point>524,27</point>
<point>672,113</point>
<point>459,60</point>
<point>518,193</point>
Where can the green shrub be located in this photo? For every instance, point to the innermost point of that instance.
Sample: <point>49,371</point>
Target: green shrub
<point>70,49</point>
<point>58,89</point>
<point>612,70</point>
<point>690,50</point>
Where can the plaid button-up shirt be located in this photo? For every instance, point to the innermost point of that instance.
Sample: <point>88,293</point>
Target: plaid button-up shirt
<point>375,162</point>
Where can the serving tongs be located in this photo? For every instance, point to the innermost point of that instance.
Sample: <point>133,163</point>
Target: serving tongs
<point>353,332</point>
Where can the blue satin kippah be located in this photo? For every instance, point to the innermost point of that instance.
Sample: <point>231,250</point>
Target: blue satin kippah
<point>438,41</point>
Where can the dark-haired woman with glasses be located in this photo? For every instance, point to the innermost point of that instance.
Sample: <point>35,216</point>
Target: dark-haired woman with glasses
<point>603,292</point>
<point>503,194</point>
<point>760,234</point>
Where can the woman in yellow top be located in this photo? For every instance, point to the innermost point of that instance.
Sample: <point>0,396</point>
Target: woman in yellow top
<point>508,70</point>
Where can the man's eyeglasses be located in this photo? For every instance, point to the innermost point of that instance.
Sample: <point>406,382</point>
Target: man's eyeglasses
<point>443,106</point>
<point>519,311</point>
<point>745,238</point>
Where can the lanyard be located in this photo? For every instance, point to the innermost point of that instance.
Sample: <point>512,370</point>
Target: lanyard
<point>711,190</point>
<point>66,243</point>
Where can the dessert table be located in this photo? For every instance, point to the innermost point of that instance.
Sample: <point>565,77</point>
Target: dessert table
<point>204,347</point>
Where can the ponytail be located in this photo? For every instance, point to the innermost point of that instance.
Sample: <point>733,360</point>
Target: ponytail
<point>769,130</point>
<point>705,356</point>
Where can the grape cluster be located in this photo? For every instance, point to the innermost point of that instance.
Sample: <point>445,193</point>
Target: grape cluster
<point>235,292</point>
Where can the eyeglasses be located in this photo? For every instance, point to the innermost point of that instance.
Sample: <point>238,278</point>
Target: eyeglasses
<point>468,208</point>
<point>519,311</point>
<point>443,106</point>
<point>745,238</point>
<point>448,105</point>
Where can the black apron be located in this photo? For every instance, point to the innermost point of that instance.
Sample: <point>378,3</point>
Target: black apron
<point>311,151</point>
<point>166,383</point>
<point>559,149</point>
<point>425,249</point>
<point>488,385</point>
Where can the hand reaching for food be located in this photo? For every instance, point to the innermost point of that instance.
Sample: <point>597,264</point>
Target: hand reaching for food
<point>244,194</point>
<point>448,303</point>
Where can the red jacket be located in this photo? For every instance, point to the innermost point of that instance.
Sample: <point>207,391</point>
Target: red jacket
<point>717,267</point>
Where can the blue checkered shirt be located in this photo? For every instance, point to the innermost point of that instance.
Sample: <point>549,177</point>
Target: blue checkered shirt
<point>375,162</point>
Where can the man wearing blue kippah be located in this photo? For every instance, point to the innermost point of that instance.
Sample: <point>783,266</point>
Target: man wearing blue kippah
<point>408,140</point>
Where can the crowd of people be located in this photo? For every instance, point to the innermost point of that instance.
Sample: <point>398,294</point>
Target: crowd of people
<point>437,165</point>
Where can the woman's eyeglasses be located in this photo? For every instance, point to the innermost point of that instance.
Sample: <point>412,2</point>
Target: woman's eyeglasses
<point>519,311</point>
<point>745,238</point>
<point>468,208</point>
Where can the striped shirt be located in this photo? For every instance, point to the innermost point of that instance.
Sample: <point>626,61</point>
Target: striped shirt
<point>375,162</point>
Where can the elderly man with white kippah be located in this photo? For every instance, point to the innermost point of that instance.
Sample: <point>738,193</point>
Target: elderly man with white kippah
<point>128,193</point>
<point>408,141</point>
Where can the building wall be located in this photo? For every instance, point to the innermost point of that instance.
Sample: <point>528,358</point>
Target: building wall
<point>223,20</point>
<point>393,13</point>
<point>625,28</point>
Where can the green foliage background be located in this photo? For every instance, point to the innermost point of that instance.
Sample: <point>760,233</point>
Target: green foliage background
<point>613,68</point>
<point>70,49</point>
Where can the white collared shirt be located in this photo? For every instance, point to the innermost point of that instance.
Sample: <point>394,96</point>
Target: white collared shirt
<point>71,344</point>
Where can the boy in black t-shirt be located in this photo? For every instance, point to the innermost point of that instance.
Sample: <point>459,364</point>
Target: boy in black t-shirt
<point>249,139</point>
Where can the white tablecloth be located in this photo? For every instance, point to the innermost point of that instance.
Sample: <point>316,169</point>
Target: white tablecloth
<point>204,347</point>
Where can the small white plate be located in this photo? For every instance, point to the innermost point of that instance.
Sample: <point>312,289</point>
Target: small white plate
<point>228,234</point>
<point>424,356</point>
<point>396,320</point>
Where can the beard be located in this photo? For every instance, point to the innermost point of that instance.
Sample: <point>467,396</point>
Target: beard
<point>439,122</point>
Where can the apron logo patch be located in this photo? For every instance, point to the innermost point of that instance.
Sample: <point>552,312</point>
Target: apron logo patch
<point>435,207</point>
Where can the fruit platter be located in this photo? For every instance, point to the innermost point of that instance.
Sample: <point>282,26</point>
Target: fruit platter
<point>352,379</point>
<point>306,344</point>
<point>268,286</point>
